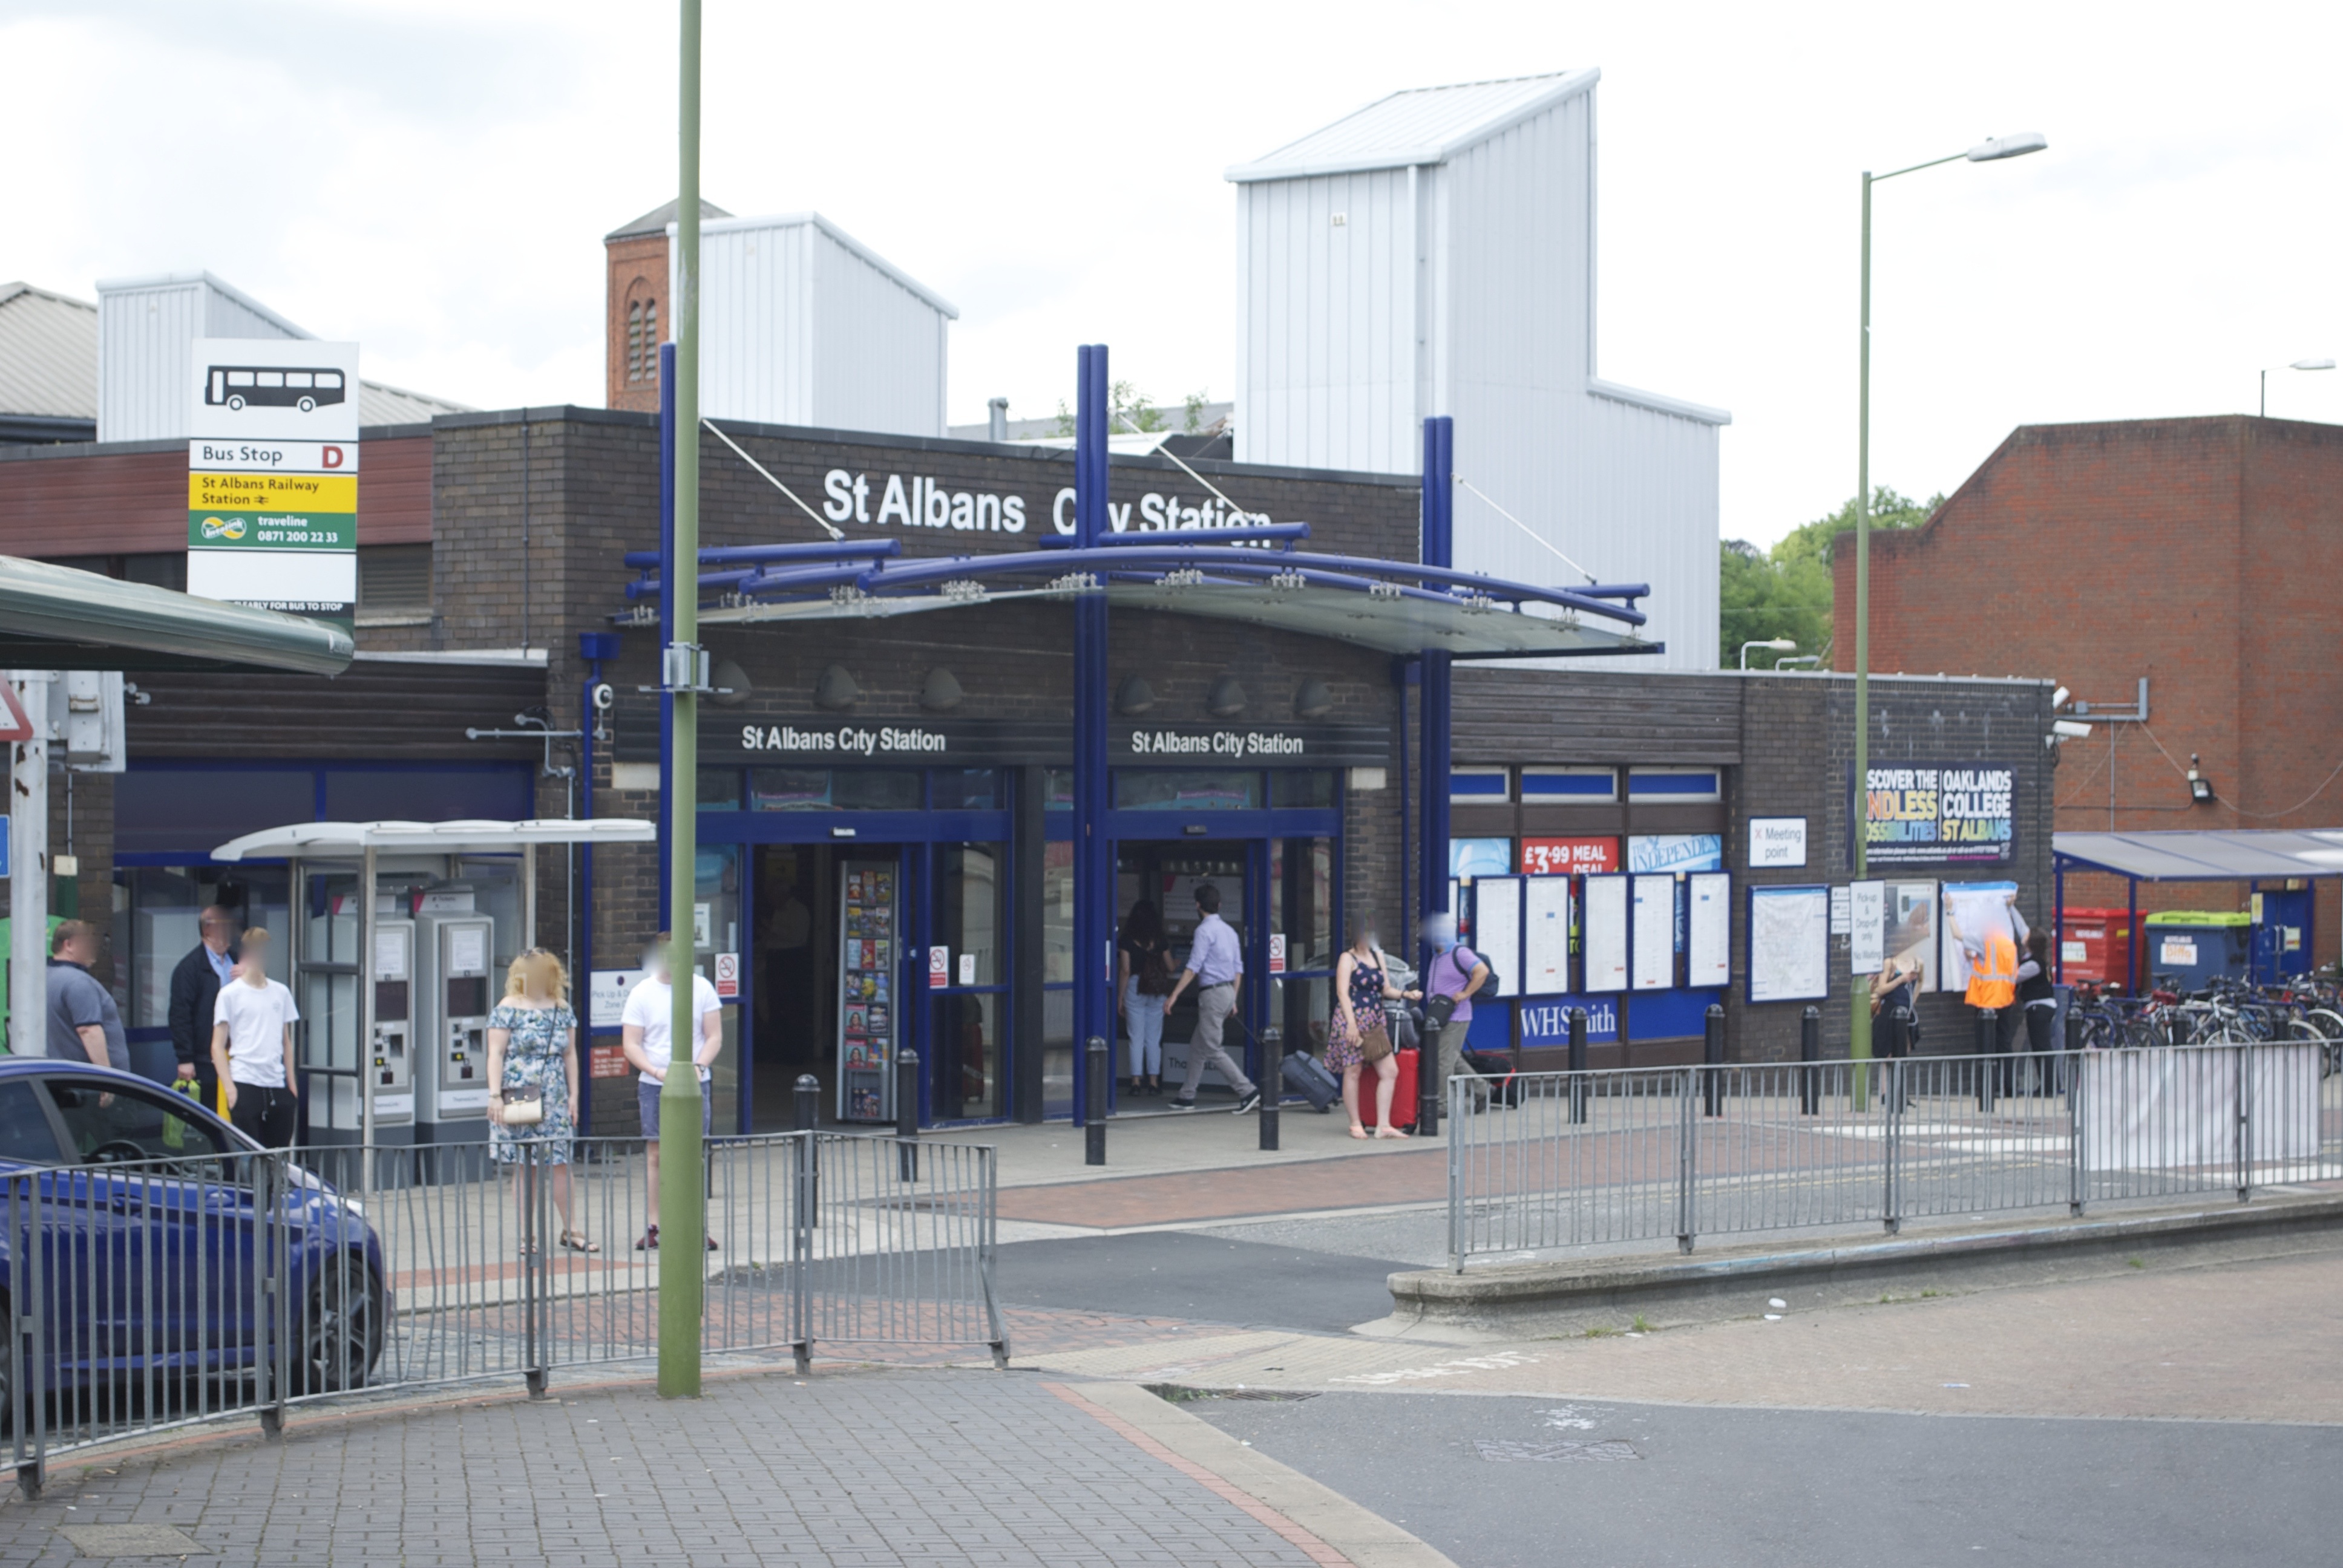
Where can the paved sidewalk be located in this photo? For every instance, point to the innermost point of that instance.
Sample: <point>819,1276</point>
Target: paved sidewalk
<point>842,1469</point>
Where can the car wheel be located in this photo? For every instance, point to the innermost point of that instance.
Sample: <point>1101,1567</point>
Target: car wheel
<point>340,1333</point>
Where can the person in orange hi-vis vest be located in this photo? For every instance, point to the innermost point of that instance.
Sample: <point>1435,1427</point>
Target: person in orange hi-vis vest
<point>1993,974</point>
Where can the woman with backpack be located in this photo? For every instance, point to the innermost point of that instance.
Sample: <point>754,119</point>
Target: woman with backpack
<point>1143,982</point>
<point>1359,1036</point>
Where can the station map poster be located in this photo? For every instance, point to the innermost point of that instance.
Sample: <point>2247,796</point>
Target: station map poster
<point>1605,940</point>
<point>1978,907</point>
<point>1962,815</point>
<point>1546,936</point>
<point>1654,949</point>
<point>1497,929</point>
<point>1789,943</point>
<point>1708,951</point>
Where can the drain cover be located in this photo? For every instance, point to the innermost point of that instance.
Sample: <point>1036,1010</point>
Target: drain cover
<point>1498,1451</point>
<point>129,1541</point>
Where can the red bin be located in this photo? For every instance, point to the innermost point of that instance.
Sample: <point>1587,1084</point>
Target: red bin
<point>2094,947</point>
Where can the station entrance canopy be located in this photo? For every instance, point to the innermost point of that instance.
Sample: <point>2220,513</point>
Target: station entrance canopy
<point>1249,575</point>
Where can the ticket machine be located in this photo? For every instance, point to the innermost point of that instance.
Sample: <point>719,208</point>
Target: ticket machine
<point>451,1026</point>
<point>391,1061</point>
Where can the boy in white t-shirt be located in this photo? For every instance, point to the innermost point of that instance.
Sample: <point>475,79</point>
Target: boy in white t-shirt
<point>646,1034</point>
<point>252,1047</point>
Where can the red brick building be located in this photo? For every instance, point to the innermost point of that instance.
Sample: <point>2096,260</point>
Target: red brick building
<point>635,317</point>
<point>2201,555</point>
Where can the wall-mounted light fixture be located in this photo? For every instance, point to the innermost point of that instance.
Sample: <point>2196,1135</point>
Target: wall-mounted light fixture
<point>2200,789</point>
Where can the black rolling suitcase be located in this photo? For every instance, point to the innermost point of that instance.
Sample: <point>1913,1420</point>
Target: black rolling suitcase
<point>1307,1077</point>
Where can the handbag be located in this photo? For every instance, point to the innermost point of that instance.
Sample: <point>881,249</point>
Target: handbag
<point>1374,1043</point>
<point>524,1107</point>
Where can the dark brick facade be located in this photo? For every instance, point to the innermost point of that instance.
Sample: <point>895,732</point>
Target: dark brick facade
<point>2196,553</point>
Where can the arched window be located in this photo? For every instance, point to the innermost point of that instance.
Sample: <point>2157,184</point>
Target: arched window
<point>642,340</point>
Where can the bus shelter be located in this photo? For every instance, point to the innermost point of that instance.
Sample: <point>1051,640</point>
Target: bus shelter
<point>2253,856</point>
<point>395,1001</point>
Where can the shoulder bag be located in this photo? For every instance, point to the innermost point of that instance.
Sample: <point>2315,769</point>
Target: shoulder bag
<point>524,1107</point>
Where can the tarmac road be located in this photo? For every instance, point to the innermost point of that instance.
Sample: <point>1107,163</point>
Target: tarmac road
<point>1203,1279</point>
<point>1656,1486</point>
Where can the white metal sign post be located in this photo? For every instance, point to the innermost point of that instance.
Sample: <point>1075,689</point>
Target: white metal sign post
<point>28,859</point>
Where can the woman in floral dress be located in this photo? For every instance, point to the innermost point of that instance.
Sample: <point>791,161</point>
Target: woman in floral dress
<point>533,1045</point>
<point>1362,982</point>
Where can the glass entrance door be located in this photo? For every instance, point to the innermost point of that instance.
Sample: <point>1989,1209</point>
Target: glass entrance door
<point>1167,874</point>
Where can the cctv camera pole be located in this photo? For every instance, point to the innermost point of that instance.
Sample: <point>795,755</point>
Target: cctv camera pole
<point>683,1216</point>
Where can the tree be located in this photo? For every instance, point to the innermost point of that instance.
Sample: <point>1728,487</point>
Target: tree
<point>1786,591</point>
<point>1126,411</point>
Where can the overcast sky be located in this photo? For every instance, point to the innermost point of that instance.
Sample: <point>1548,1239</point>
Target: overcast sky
<point>433,178</point>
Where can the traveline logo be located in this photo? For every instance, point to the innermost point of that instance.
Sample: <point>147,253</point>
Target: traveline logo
<point>846,739</point>
<point>1218,743</point>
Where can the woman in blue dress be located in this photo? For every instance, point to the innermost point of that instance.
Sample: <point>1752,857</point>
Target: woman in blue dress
<point>533,1046</point>
<point>1361,983</point>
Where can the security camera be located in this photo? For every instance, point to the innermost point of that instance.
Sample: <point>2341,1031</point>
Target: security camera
<point>2070,729</point>
<point>604,696</point>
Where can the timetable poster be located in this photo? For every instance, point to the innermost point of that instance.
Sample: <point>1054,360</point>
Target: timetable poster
<point>868,918</point>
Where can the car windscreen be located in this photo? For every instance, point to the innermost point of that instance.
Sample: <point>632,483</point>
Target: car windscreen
<point>109,1125</point>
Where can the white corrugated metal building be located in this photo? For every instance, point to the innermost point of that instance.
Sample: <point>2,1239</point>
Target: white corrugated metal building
<point>146,326</point>
<point>802,324</point>
<point>1434,252</point>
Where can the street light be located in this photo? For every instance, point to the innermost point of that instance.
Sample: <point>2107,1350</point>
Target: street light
<point>2298,364</point>
<point>1991,150</point>
<point>1778,643</point>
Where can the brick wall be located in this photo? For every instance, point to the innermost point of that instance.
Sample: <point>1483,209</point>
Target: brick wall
<point>637,269</point>
<point>2194,552</point>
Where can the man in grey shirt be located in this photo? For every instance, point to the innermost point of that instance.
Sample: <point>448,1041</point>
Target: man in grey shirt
<point>1216,968</point>
<point>84,1023</point>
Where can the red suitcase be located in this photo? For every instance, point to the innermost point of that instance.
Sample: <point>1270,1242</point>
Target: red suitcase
<point>1405,1087</point>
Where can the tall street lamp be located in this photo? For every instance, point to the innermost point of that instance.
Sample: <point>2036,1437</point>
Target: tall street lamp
<point>1984,152</point>
<point>1778,643</point>
<point>2298,364</point>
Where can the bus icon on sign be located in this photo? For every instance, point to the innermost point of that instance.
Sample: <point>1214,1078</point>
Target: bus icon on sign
<point>271,387</point>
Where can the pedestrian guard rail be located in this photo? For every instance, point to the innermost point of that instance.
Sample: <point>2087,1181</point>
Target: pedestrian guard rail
<point>143,1294</point>
<point>1617,1156</point>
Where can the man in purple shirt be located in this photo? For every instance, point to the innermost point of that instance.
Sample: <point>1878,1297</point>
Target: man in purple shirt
<point>1216,968</point>
<point>1455,973</point>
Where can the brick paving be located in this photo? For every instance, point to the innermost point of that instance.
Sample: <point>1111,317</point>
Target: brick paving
<point>842,1470</point>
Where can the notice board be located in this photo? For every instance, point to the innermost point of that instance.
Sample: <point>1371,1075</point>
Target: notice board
<point>1708,934</point>
<point>1546,936</point>
<point>1497,928</point>
<point>1654,958</point>
<point>1605,942</point>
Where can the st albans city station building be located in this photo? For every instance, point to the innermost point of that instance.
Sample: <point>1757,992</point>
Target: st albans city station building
<point>886,777</point>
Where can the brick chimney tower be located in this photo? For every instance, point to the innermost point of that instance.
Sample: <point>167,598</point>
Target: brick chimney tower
<point>637,306</point>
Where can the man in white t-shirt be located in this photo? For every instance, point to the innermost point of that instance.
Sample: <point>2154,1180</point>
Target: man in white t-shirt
<point>252,1047</point>
<point>646,1034</point>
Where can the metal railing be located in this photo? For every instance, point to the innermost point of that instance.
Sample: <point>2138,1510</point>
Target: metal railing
<point>153,1294</point>
<point>1626,1155</point>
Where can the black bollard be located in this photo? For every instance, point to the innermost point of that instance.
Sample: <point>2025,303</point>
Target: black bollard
<point>809,1103</point>
<point>1273,1083</point>
<point>1988,1035</point>
<point>907,1111</point>
<point>1577,1064</point>
<point>1899,1046</point>
<point>1097,1068</point>
<point>1713,1054</point>
<point>1810,1052</point>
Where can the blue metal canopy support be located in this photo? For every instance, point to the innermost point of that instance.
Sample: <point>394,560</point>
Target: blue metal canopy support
<point>1438,551</point>
<point>667,564</point>
<point>1093,856</point>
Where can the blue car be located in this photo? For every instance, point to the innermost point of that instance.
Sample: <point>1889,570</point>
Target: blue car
<point>145,1232</point>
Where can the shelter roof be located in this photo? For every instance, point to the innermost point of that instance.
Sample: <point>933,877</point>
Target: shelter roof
<point>1420,125</point>
<point>2207,855</point>
<point>56,617</point>
<point>312,840</point>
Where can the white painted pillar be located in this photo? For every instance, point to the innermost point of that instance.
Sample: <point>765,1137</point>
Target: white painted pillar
<point>28,868</point>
